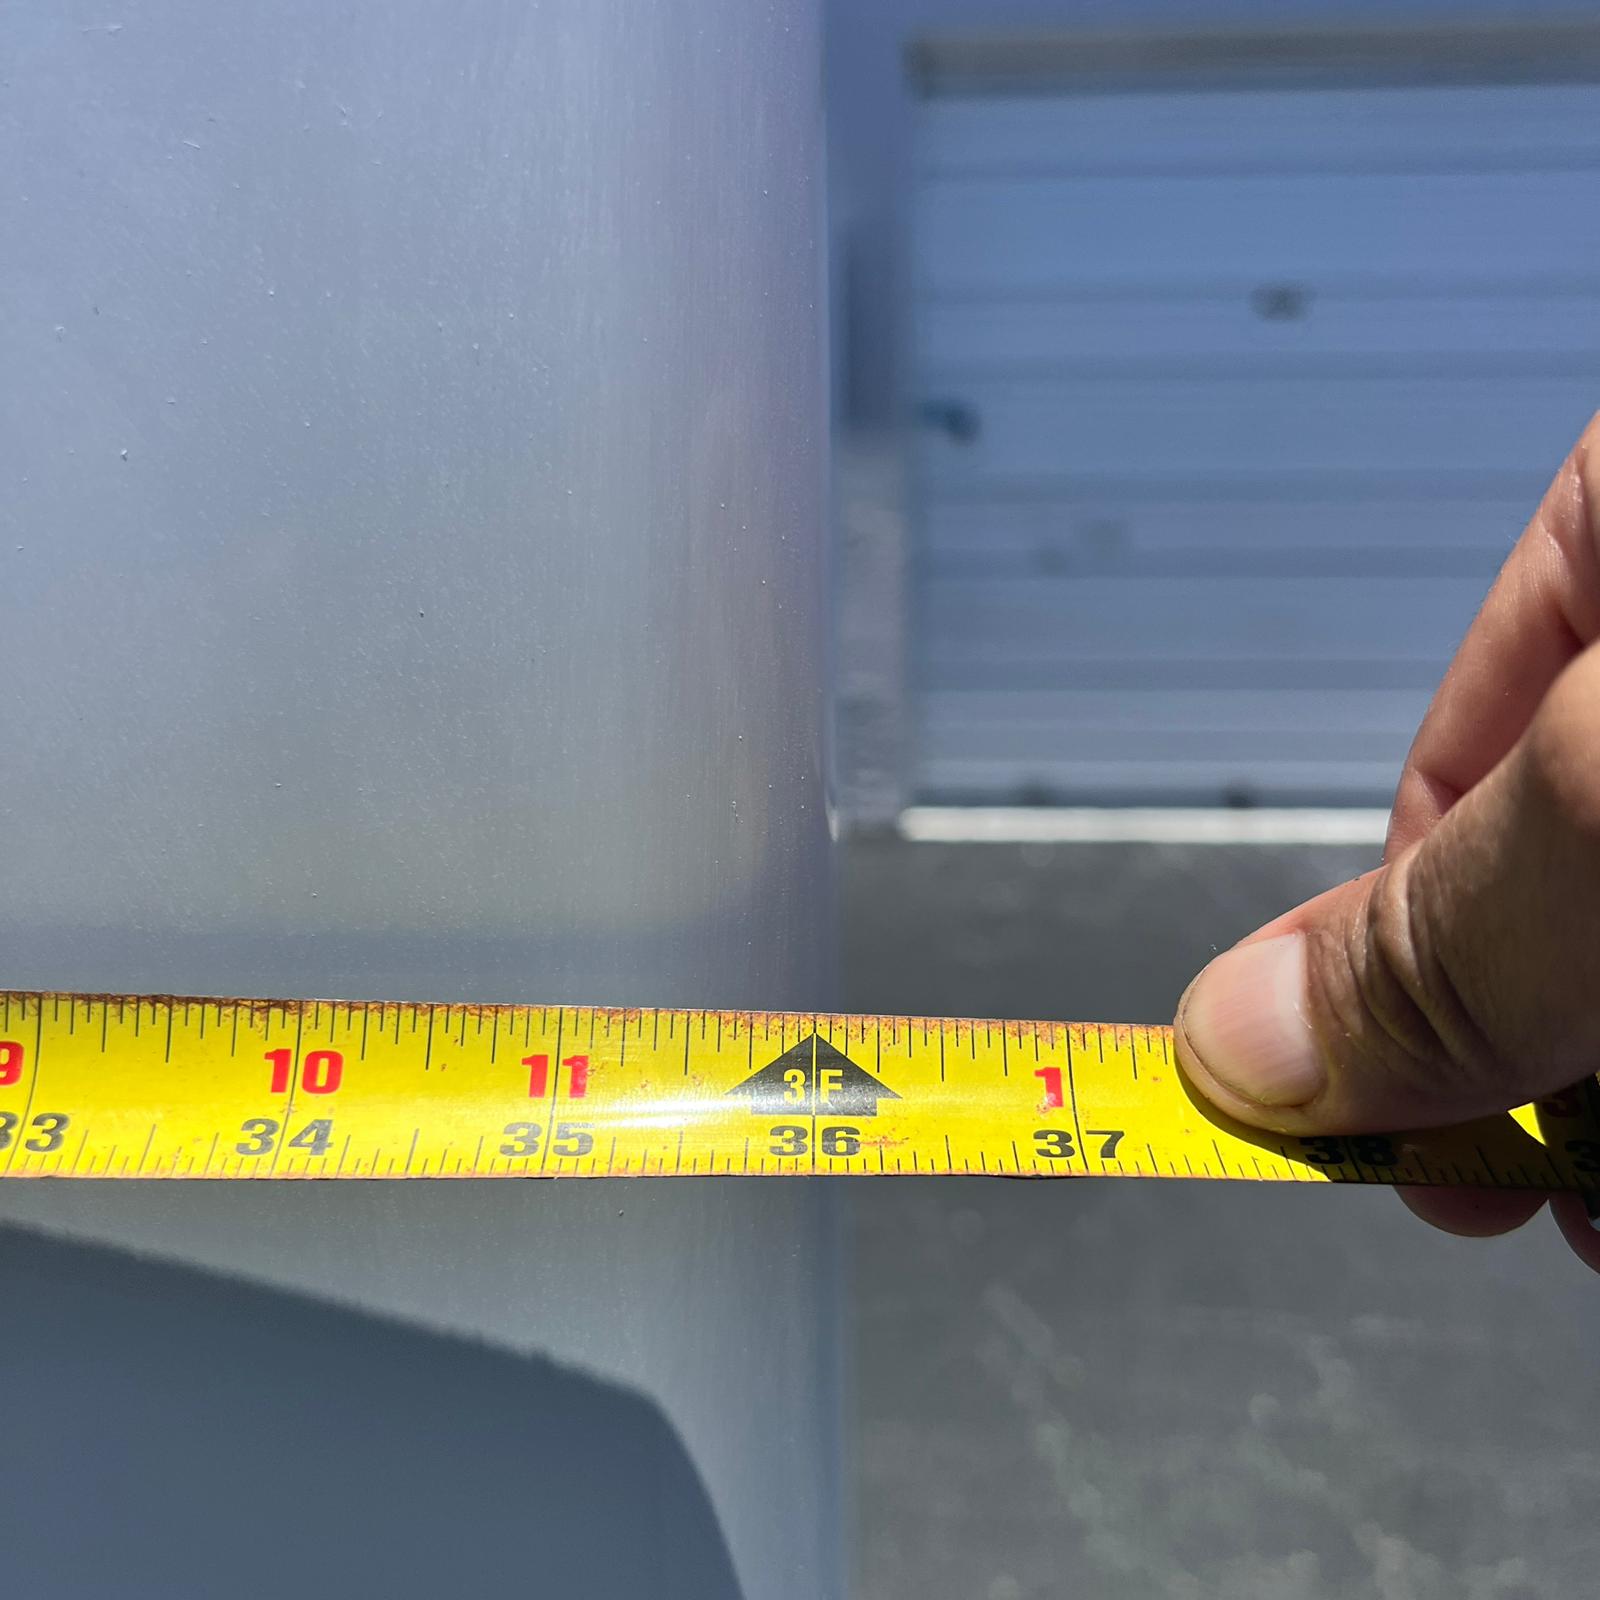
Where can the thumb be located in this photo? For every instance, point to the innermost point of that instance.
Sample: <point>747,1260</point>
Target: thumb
<point>1461,979</point>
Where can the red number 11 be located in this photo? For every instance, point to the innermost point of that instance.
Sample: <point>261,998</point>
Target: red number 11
<point>539,1076</point>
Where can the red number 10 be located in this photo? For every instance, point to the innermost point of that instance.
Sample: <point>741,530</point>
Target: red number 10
<point>321,1072</point>
<point>539,1076</point>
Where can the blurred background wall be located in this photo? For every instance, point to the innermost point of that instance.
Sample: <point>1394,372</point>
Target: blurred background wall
<point>1195,368</point>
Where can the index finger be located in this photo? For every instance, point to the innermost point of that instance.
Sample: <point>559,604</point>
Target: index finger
<point>1543,610</point>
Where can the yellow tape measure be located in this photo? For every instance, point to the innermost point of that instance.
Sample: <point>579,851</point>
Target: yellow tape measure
<point>132,1086</point>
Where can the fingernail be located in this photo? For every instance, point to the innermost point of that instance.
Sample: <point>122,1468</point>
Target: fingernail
<point>1245,1020</point>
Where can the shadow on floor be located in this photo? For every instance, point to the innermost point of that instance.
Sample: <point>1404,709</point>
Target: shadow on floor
<point>169,1433</point>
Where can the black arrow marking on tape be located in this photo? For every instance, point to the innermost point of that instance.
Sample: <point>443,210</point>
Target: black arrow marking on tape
<point>813,1079</point>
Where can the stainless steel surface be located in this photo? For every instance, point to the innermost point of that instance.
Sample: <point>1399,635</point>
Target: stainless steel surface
<point>412,433</point>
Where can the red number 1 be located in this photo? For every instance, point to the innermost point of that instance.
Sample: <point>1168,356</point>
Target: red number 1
<point>282,1065</point>
<point>538,1075</point>
<point>1052,1087</point>
<point>577,1076</point>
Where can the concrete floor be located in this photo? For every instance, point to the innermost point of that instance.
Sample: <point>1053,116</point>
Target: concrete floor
<point>1173,1391</point>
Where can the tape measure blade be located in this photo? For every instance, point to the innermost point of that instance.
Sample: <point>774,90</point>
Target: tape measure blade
<point>189,1087</point>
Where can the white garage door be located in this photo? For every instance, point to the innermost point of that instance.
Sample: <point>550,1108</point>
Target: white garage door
<point>1230,406</point>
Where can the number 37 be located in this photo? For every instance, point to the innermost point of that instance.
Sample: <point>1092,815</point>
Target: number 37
<point>1056,1144</point>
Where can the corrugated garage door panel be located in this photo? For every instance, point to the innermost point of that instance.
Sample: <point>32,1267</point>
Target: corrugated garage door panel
<point>1263,130</point>
<point>1028,234</point>
<point>1233,404</point>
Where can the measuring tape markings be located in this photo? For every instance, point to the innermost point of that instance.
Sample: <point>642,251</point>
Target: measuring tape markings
<point>167,1086</point>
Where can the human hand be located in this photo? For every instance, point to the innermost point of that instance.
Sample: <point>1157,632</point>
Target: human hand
<point>1462,977</point>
